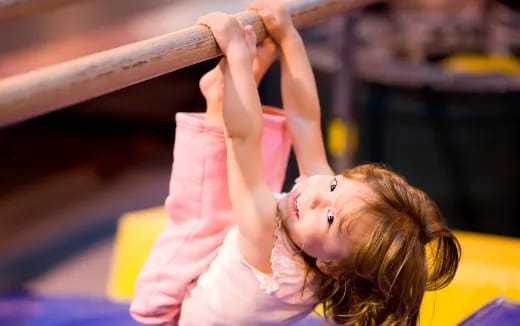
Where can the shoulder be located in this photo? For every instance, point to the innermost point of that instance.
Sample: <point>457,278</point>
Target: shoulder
<point>288,278</point>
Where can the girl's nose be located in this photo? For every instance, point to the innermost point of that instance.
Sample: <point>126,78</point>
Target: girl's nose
<point>317,200</point>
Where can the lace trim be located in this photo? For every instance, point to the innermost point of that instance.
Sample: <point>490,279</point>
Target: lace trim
<point>283,262</point>
<point>271,284</point>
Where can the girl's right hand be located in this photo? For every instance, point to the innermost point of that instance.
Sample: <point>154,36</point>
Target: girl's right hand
<point>228,32</point>
<point>276,18</point>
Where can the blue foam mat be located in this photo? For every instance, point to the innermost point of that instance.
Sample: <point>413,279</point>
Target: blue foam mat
<point>23,309</point>
<point>499,312</point>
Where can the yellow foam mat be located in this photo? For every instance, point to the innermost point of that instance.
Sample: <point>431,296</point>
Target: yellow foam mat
<point>136,233</point>
<point>490,267</point>
<point>482,64</point>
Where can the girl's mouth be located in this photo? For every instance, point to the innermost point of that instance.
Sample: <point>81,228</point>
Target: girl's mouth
<point>295,205</point>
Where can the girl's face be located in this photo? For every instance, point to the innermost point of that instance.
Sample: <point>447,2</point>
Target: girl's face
<point>319,215</point>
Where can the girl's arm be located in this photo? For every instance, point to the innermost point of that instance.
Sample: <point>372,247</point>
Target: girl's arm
<point>299,93</point>
<point>302,107</point>
<point>252,202</point>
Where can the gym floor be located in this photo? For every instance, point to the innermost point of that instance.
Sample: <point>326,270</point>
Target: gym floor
<point>84,274</point>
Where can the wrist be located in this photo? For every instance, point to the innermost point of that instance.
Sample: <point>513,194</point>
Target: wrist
<point>290,36</point>
<point>238,53</point>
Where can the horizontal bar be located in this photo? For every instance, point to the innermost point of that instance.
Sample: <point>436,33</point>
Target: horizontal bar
<point>48,89</point>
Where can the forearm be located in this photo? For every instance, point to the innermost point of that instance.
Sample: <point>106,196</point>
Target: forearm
<point>241,108</point>
<point>301,105</point>
<point>298,86</point>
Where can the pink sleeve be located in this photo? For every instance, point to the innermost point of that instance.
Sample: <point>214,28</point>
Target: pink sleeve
<point>200,213</point>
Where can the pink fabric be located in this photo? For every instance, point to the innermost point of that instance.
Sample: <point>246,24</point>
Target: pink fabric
<point>199,208</point>
<point>232,292</point>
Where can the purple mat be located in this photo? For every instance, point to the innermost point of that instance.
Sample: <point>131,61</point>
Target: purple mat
<point>499,312</point>
<point>27,310</point>
<point>24,309</point>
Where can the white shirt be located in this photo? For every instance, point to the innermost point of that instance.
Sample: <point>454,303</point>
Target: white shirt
<point>232,292</point>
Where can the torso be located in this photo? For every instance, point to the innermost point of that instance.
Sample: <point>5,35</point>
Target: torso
<point>231,292</point>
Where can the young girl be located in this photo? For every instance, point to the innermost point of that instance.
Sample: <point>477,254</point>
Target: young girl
<point>198,202</point>
<point>355,242</point>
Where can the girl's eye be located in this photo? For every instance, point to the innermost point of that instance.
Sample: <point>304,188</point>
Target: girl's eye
<point>330,217</point>
<point>333,184</point>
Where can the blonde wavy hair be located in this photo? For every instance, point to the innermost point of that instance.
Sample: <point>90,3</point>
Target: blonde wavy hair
<point>385,280</point>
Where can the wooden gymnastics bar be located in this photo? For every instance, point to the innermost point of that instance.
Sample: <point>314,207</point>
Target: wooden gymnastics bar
<point>48,89</point>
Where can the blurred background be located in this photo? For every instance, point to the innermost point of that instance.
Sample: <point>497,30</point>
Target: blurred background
<point>431,88</point>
